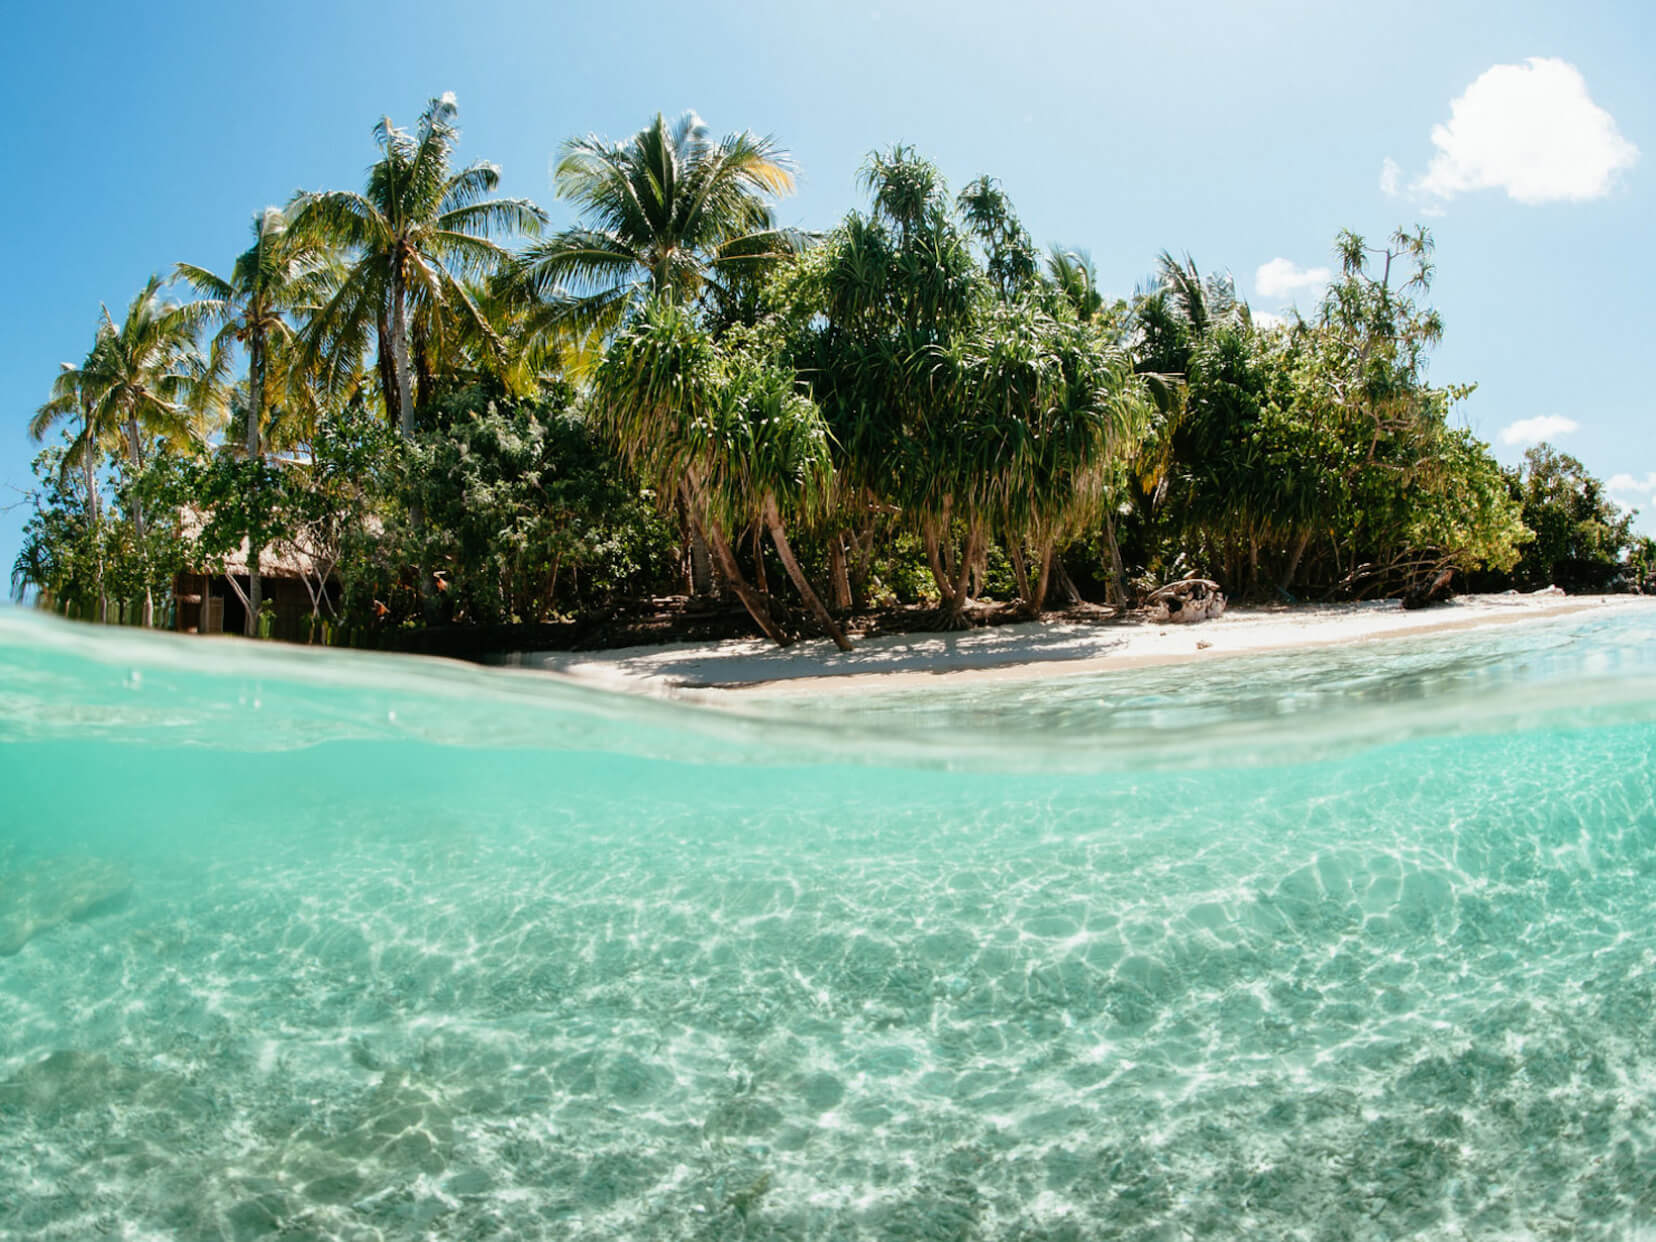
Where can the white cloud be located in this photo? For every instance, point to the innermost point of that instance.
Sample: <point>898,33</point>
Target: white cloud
<point>1627,483</point>
<point>1534,430</point>
<point>1391,177</point>
<point>1531,130</point>
<point>1264,320</point>
<point>1282,278</point>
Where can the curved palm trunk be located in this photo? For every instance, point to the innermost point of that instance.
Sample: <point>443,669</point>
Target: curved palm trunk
<point>773,522</point>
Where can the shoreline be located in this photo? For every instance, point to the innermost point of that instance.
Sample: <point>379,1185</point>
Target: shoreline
<point>1033,650</point>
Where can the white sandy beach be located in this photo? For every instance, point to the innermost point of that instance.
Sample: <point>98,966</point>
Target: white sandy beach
<point>1034,649</point>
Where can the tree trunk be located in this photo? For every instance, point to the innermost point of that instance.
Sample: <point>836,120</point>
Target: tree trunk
<point>387,371</point>
<point>255,425</point>
<point>1062,580</point>
<point>135,451</point>
<point>757,605</point>
<point>89,471</point>
<point>1300,542</point>
<point>1043,578</point>
<point>968,558</point>
<point>802,584</point>
<point>1118,572</point>
<point>760,579</point>
<point>838,573</point>
<point>862,555</point>
<point>399,352</point>
<point>945,584</point>
<point>1014,553</point>
<point>701,568</point>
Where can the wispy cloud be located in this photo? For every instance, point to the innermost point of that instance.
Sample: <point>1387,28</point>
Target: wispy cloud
<point>1531,130</point>
<point>1534,430</point>
<point>1391,177</point>
<point>1282,278</point>
<point>1266,319</point>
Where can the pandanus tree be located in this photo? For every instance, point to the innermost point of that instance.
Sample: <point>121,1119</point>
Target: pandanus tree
<point>871,315</point>
<point>413,240</point>
<point>728,431</point>
<point>282,274</point>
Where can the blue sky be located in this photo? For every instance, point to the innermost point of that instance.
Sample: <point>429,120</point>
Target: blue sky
<point>1246,135</point>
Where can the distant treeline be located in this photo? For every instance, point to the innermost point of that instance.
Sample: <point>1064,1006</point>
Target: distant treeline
<point>436,410</point>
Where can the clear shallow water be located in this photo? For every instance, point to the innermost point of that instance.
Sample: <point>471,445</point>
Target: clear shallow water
<point>1354,945</point>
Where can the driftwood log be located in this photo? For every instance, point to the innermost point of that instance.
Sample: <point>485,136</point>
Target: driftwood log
<point>1190,599</point>
<point>1435,591</point>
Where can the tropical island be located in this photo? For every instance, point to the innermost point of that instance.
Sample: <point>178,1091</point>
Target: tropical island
<point>416,416</point>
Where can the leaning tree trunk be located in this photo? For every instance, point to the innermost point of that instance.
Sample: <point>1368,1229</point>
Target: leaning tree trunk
<point>1118,571</point>
<point>1294,557</point>
<point>1063,582</point>
<point>1014,553</point>
<point>773,521</point>
<point>934,557</point>
<point>757,605</point>
<point>1043,577</point>
<point>862,556</point>
<point>955,617</point>
<point>838,573</point>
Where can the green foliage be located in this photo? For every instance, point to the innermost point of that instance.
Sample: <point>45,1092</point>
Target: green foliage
<point>934,409</point>
<point>1580,536</point>
<point>525,516</point>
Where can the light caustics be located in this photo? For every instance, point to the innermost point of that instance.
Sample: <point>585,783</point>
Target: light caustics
<point>1358,945</point>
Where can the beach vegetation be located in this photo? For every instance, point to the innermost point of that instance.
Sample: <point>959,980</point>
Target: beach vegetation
<point>441,412</point>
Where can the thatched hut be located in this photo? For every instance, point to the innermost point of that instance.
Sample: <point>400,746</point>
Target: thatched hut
<point>212,598</point>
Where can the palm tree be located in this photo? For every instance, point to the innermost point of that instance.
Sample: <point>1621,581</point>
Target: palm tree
<point>669,214</point>
<point>144,377</point>
<point>415,236</point>
<point>278,275</point>
<point>73,395</point>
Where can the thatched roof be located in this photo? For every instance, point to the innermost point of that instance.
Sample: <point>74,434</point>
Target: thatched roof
<point>282,559</point>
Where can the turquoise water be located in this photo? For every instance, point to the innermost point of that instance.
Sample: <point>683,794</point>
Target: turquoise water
<point>1352,945</point>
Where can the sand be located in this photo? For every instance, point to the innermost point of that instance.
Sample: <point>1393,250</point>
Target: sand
<point>1035,649</point>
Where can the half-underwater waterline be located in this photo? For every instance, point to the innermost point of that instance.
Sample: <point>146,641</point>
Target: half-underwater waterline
<point>1350,944</point>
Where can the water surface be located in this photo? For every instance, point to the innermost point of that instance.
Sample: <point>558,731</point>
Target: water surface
<point>1352,944</point>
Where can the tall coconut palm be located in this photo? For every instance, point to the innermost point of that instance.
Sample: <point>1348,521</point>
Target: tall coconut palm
<point>665,214</point>
<point>145,377</point>
<point>415,235</point>
<point>74,396</point>
<point>280,274</point>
